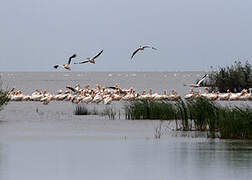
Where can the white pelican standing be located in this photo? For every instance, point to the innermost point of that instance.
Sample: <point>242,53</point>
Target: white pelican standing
<point>141,48</point>
<point>90,60</point>
<point>66,66</point>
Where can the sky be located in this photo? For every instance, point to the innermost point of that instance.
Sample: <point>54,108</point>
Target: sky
<point>190,35</point>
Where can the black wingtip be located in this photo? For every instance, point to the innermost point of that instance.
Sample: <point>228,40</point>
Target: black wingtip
<point>72,89</point>
<point>56,66</point>
<point>111,87</point>
<point>73,56</point>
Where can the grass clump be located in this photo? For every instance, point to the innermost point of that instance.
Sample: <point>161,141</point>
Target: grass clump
<point>4,99</point>
<point>81,109</point>
<point>108,111</point>
<point>182,114</point>
<point>235,123</point>
<point>199,114</point>
<point>235,77</point>
<point>148,109</point>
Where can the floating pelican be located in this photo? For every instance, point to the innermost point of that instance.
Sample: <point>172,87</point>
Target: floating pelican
<point>141,48</point>
<point>190,96</point>
<point>36,95</point>
<point>66,66</point>
<point>97,98</point>
<point>18,96</point>
<point>244,95</point>
<point>250,93</point>
<point>76,99</point>
<point>174,96</point>
<point>236,96</point>
<point>225,96</point>
<point>212,96</point>
<point>117,96</point>
<point>108,99</point>
<point>91,60</point>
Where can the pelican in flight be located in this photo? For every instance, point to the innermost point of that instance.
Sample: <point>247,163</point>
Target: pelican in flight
<point>66,66</point>
<point>141,48</point>
<point>198,83</point>
<point>91,60</point>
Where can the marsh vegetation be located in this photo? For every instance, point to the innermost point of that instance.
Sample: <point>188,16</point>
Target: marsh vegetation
<point>3,96</point>
<point>197,115</point>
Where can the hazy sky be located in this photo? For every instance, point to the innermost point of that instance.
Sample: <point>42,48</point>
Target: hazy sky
<point>189,34</point>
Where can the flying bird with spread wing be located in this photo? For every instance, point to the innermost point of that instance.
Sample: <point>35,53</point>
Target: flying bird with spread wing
<point>198,83</point>
<point>66,66</point>
<point>141,48</point>
<point>90,60</point>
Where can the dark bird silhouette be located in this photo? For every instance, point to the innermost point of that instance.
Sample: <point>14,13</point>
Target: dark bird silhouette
<point>66,66</point>
<point>90,60</point>
<point>141,48</point>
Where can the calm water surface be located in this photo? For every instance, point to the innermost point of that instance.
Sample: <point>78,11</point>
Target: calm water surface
<point>49,142</point>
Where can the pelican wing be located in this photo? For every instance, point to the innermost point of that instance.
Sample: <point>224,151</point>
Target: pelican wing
<point>72,89</point>
<point>82,62</point>
<point>112,87</point>
<point>133,54</point>
<point>70,58</point>
<point>98,54</point>
<point>150,47</point>
<point>201,80</point>
<point>56,66</point>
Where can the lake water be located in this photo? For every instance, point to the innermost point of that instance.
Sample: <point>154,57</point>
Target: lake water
<point>49,142</point>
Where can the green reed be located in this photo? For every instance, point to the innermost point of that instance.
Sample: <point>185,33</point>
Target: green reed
<point>3,96</point>
<point>235,123</point>
<point>108,111</point>
<point>198,114</point>
<point>148,109</point>
<point>81,109</point>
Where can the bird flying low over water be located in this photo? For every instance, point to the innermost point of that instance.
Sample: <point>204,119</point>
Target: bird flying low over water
<point>198,83</point>
<point>141,48</point>
<point>66,66</point>
<point>91,60</point>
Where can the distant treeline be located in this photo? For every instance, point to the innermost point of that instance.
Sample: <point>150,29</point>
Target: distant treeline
<point>235,78</point>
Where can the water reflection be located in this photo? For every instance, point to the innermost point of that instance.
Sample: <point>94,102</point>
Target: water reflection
<point>124,159</point>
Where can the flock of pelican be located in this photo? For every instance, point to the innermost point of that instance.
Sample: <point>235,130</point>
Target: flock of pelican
<point>92,59</point>
<point>244,95</point>
<point>115,93</point>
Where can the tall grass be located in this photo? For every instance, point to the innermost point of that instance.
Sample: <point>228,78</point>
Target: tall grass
<point>181,112</point>
<point>81,109</point>
<point>235,123</point>
<point>108,111</point>
<point>235,77</point>
<point>199,114</point>
<point>148,109</point>
<point>3,96</point>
